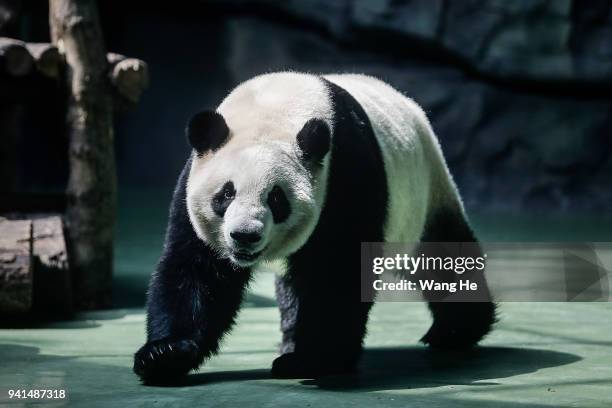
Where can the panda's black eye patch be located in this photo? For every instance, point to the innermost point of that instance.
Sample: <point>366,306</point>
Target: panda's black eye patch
<point>279,205</point>
<point>223,198</point>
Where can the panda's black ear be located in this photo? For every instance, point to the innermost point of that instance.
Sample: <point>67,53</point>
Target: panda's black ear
<point>314,140</point>
<point>206,131</point>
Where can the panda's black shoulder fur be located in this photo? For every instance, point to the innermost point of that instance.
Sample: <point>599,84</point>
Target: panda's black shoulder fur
<point>355,207</point>
<point>190,266</point>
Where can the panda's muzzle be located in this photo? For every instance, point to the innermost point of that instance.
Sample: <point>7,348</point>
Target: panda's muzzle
<point>245,243</point>
<point>246,256</point>
<point>246,239</point>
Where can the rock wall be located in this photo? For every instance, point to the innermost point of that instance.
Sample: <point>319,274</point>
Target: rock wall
<point>519,93</point>
<point>542,40</point>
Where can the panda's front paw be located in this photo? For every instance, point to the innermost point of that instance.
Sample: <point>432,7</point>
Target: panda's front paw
<point>166,360</point>
<point>294,365</point>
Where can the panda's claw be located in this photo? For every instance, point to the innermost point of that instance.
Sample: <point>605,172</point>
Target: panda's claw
<point>166,360</point>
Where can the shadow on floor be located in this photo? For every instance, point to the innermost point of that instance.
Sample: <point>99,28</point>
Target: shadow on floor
<point>412,367</point>
<point>90,384</point>
<point>224,376</point>
<point>24,367</point>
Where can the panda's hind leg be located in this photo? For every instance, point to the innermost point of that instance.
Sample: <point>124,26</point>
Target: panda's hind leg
<point>288,307</point>
<point>457,325</point>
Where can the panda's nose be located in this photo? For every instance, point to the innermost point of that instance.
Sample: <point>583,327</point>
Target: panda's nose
<point>245,238</point>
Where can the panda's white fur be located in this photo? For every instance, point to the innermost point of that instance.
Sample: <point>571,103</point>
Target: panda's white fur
<point>264,115</point>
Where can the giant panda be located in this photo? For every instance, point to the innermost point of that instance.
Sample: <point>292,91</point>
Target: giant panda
<point>300,169</point>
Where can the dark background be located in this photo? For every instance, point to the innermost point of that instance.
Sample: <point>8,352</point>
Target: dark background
<point>519,91</point>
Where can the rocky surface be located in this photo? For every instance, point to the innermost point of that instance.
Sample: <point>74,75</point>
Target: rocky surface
<point>511,145</point>
<point>519,92</point>
<point>538,39</point>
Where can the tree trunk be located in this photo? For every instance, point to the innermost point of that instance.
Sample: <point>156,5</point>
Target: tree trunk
<point>91,193</point>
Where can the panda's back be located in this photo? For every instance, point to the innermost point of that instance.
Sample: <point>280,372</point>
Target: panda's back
<point>417,176</point>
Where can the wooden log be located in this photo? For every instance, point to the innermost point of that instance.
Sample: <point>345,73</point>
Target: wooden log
<point>46,57</point>
<point>52,291</point>
<point>15,267</point>
<point>129,76</point>
<point>92,190</point>
<point>48,242</point>
<point>113,58</point>
<point>14,57</point>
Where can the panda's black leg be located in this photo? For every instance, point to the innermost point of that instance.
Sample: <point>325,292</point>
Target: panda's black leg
<point>192,301</point>
<point>328,341</point>
<point>190,308</point>
<point>457,325</point>
<point>327,332</point>
<point>288,307</point>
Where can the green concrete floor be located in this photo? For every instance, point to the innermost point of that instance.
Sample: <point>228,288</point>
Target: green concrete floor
<point>553,355</point>
<point>540,354</point>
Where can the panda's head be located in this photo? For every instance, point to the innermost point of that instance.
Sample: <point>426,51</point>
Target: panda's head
<point>251,196</point>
